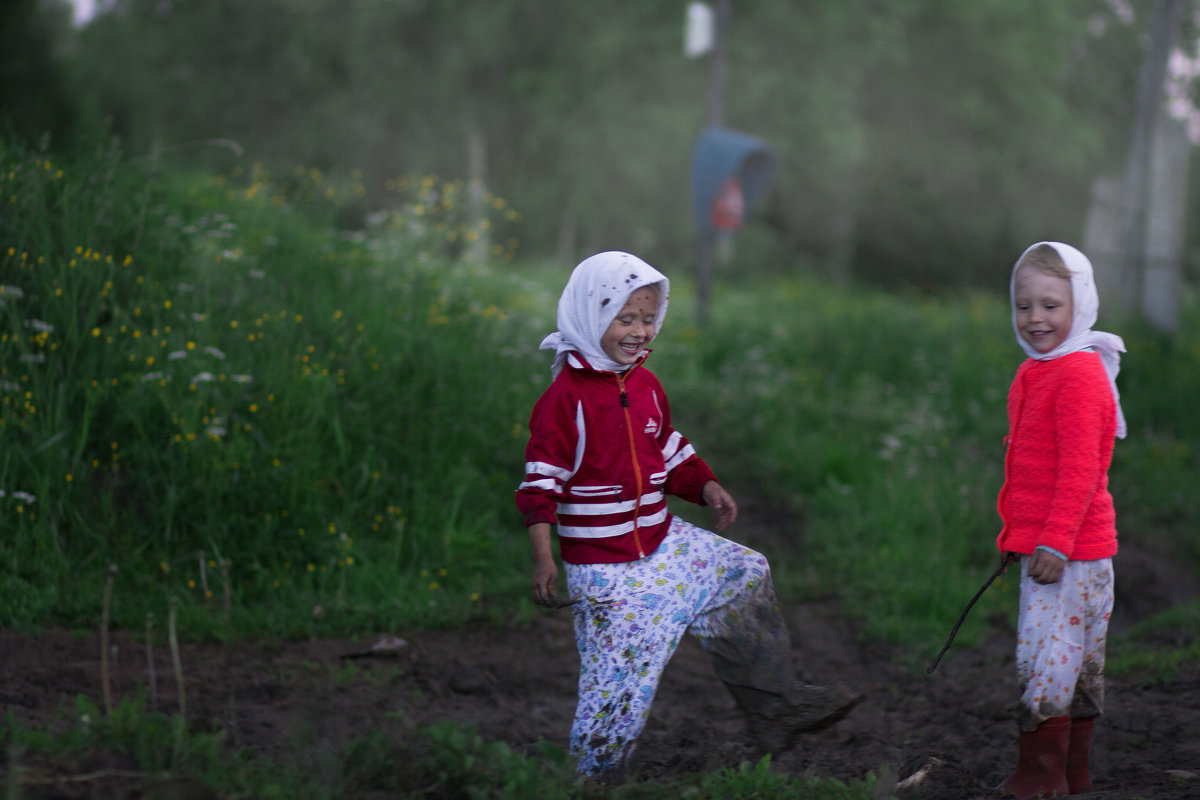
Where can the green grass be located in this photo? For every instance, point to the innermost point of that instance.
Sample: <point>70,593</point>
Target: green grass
<point>294,431</point>
<point>155,755</point>
<point>207,385</point>
<point>209,388</point>
<point>875,424</point>
<point>1160,649</point>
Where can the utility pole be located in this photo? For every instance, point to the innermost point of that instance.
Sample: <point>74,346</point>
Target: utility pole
<point>716,85</point>
<point>1164,30</point>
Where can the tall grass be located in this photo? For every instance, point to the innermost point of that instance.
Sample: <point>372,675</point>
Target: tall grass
<point>296,430</point>
<point>442,760</point>
<point>206,385</point>
<point>873,423</point>
<point>293,430</point>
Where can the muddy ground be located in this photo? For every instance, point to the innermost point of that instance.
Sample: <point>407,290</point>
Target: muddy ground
<point>297,700</point>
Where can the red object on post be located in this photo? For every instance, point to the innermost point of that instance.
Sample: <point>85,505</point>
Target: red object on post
<point>729,206</point>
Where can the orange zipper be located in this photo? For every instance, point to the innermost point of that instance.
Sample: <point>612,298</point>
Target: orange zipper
<point>637,469</point>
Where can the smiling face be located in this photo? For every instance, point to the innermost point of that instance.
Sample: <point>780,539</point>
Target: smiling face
<point>633,328</point>
<point>1043,307</point>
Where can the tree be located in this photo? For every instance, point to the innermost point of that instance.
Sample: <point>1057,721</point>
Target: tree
<point>1164,31</point>
<point>34,99</point>
<point>919,142</point>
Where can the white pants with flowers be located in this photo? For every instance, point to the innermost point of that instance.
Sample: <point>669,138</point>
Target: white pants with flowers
<point>1061,632</point>
<point>632,615</point>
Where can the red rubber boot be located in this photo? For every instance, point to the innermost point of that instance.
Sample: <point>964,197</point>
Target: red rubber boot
<point>1078,752</point>
<point>1042,761</point>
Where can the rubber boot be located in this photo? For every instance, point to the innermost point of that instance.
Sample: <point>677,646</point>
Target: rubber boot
<point>1042,761</point>
<point>1078,752</point>
<point>775,722</point>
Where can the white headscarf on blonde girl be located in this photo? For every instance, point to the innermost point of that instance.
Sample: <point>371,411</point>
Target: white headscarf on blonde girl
<point>595,293</point>
<point>1086,307</point>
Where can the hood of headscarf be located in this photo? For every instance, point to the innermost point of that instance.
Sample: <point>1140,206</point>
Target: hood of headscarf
<point>596,292</point>
<point>1085,303</point>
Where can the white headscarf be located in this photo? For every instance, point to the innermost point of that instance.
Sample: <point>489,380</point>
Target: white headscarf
<point>1085,301</point>
<point>595,293</point>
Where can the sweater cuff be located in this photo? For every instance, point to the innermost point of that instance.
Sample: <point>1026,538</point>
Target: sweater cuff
<point>1047,548</point>
<point>541,515</point>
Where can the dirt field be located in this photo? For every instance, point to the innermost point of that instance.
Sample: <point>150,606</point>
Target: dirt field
<point>294,700</point>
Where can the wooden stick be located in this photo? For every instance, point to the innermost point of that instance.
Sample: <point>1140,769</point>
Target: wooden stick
<point>961,617</point>
<point>204,578</point>
<point>104,618</point>
<point>224,562</point>
<point>175,660</point>
<point>151,674</point>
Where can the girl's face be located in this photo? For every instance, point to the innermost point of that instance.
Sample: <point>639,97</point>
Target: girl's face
<point>633,328</point>
<point>1043,307</point>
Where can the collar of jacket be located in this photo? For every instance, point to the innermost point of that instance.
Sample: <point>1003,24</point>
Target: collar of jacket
<point>575,360</point>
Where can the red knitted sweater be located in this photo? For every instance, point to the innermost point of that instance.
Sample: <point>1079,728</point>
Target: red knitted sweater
<point>1061,431</point>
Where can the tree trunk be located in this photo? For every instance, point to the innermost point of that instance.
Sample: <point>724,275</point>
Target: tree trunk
<point>1164,30</point>
<point>1102,234</point>
<point>477,247</point>
<point>1166,205</point>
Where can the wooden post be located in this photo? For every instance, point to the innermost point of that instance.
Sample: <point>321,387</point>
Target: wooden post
<point>1164,30</point>
<point>716,82</point>
<point>1166,205</point>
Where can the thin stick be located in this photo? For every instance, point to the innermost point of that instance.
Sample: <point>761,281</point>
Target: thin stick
<point>175,660</point>
<point>152,675</point>
<point>84,778</point>
<point>224,562</point>
<point>104,618</point>
<point>204,578</point>
<point>954,631</point>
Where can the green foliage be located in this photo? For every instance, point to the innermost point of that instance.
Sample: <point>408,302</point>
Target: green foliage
<point>1159,649</point>
<point>922,138</point>
<point>158,755</point>
<point>874,424</point>
<point>747,781</point>
<point>35,99</point>
<point>297,431</point>
<point>205,385</point>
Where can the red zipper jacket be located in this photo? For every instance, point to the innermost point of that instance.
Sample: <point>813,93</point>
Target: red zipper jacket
<point>1062,428</point>
<point>602,458</point>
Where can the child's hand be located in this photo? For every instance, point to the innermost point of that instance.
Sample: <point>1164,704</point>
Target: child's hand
<point>545,583</point>
<point>1045,567</point>
<point>545,570</point>
<point>722,503</point>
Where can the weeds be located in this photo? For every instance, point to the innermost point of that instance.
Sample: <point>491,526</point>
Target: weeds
<point>205,384</point>
<point>202,381</point>
<point>189,366</point>
<point>1159,649</point>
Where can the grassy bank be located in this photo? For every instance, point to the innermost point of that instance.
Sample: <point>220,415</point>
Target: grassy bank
<point>216,399</point>
<point>293,430</point>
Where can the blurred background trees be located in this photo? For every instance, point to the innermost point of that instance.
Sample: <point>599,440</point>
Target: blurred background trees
<point>921,143</point>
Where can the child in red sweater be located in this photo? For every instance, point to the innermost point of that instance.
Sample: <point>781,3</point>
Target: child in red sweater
<point>601,459</point>
<point>1064,414</point>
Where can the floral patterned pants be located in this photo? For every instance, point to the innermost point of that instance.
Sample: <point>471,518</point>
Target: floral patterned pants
<point>632,616</point>
<point>1061,632</point>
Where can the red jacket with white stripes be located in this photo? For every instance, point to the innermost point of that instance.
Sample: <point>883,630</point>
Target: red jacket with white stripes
<point>602,458</point>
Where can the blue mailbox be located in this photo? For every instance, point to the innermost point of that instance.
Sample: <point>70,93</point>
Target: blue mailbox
<point>730,171</point>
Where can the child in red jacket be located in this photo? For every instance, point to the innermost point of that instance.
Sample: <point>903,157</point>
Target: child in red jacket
<point>602,458</point>
<point>1064,413</point>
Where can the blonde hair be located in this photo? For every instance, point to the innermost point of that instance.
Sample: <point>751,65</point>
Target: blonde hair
<point>1045,259</point>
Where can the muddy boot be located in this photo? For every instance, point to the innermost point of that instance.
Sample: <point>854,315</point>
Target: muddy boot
<point>775,722</point>
<point>1042,761</point>
<point>1078,752</point>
